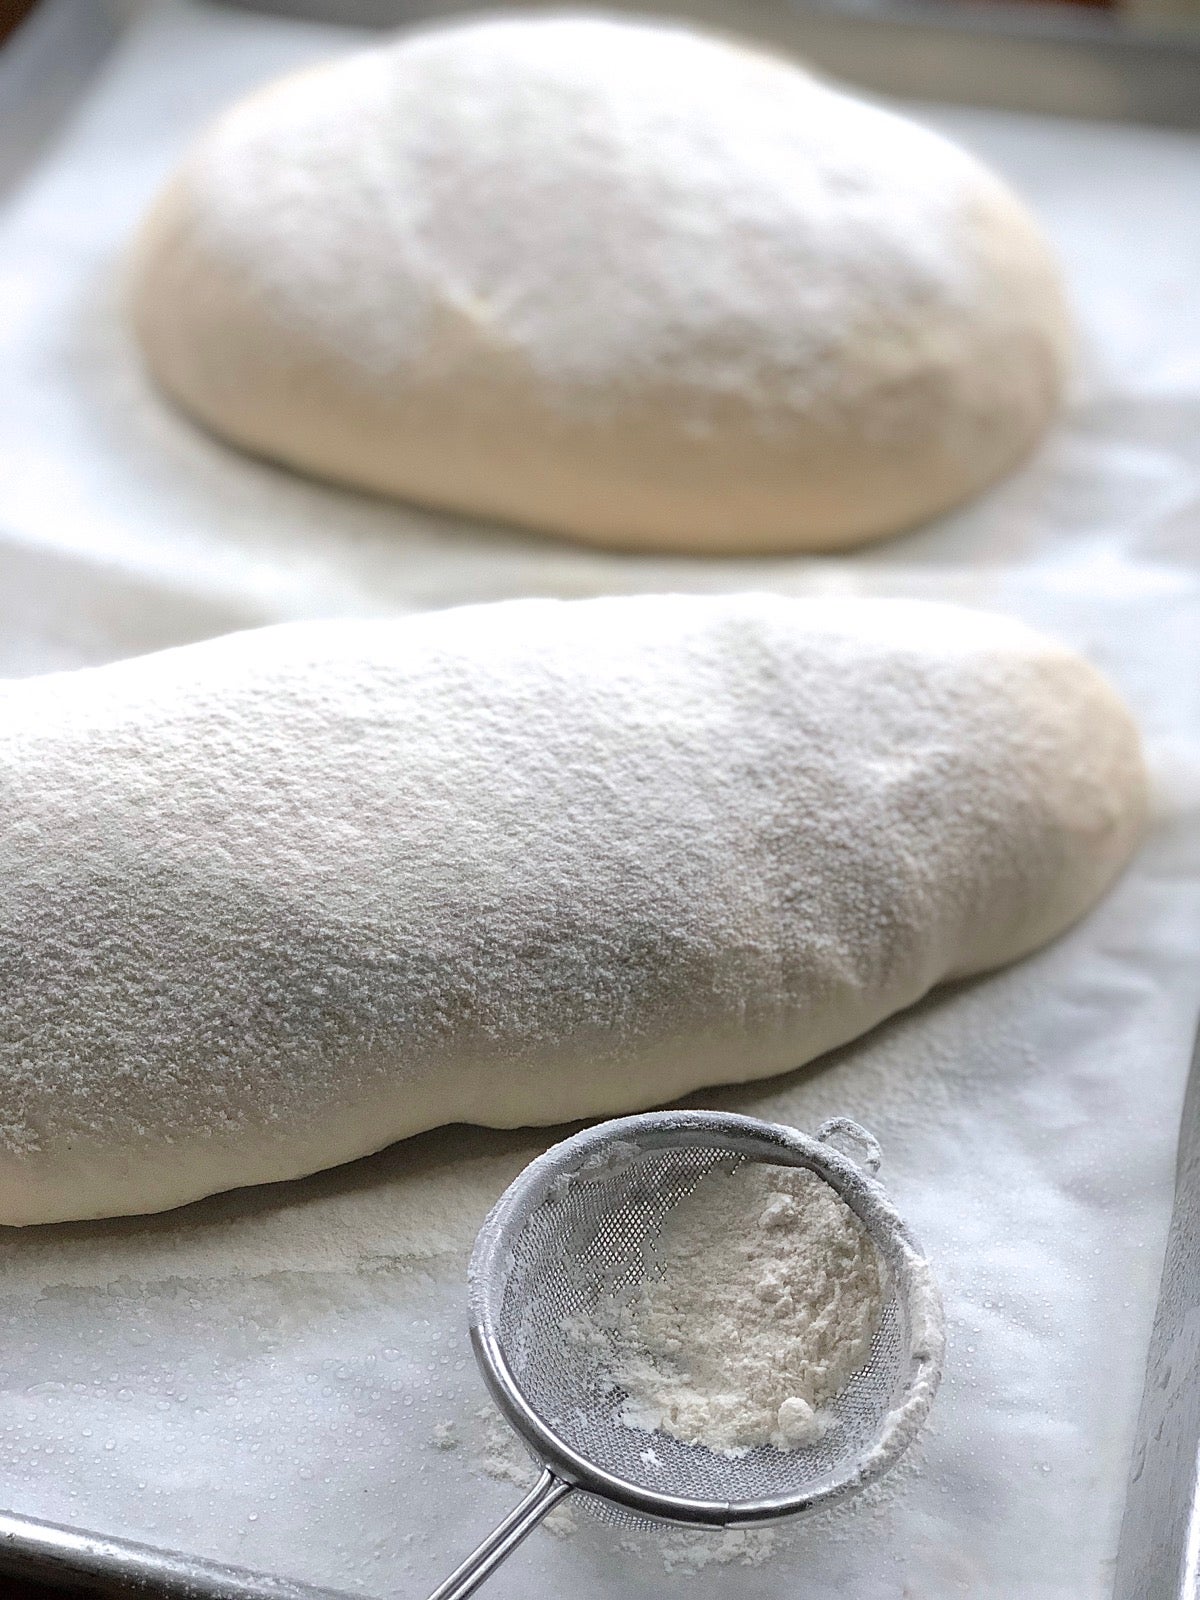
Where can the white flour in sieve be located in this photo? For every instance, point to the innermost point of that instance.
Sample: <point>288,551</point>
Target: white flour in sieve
<point>765,1305</point>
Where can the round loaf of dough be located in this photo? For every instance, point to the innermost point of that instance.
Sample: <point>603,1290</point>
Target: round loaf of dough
<point>618,280</point>
<point>276,900</point>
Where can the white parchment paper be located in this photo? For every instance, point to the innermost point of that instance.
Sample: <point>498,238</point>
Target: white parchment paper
<point>280,1377</point>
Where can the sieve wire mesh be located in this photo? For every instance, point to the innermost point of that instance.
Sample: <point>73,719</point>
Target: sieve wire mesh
<point>591,1236</point>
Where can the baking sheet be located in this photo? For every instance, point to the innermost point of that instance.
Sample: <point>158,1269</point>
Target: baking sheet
<point>280,1377</point>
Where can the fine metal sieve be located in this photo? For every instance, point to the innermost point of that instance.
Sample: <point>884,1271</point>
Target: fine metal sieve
<point>577,1227</point>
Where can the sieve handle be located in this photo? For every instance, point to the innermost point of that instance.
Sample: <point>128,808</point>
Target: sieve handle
<point>500,1544</point>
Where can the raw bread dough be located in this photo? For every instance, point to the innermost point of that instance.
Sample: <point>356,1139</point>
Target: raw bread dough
<point>275,900</point>
<point>616,279</point>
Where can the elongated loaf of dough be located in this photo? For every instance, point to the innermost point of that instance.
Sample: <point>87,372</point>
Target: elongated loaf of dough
<point>615,279</point>
<point>273,901</point>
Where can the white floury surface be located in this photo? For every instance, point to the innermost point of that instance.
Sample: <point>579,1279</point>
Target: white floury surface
<point>621,281</point>
<point>278,1377</point>
<point>765,1304</point>
<point>275,900</point>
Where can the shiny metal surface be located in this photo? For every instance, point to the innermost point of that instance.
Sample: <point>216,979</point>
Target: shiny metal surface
<point>1062,60</point>
<point>45,64</point>
<point>1159,1554</point>
<point>89,1563</point>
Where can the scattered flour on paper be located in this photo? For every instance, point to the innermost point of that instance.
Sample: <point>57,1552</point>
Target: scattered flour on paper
<point>765,1303</point>
<point>684,1551</point>
<point>499,1454</point>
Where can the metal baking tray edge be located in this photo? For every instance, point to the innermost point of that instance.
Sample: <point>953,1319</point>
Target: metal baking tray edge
<point>45,66</point>
<point>1053,60</point>
<point>76,1562</point>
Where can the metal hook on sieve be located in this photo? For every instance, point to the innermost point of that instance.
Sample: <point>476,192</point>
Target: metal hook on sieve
<point>841,1132</point>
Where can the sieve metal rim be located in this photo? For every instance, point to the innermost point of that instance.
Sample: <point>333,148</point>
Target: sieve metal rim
<point>909,1268</point>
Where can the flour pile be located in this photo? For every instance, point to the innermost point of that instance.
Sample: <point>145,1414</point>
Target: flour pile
<point>766,1303</point>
